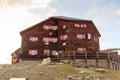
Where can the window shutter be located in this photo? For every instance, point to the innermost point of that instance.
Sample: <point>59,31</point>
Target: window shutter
<point>61,37</point>
<point>81,26</point>
<point>50,27</point>
<point>83,36</point>
<point>46,27</point>
<point>50,39</point>
<point>85,25</point>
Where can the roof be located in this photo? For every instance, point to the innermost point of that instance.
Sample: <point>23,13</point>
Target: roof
<point>61,18</point>
<point>68,18</point>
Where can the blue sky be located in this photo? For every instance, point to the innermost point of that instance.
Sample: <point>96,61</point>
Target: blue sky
<point>17,15</point>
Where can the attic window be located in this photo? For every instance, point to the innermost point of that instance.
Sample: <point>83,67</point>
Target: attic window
<point>81,50</point>
<point>77,25</point>
<point>55,27</point>
<point>80,36</point>
<point>33,39</point>
<point>80,25</point>
<point>49,27</point>
<point>33,52</point>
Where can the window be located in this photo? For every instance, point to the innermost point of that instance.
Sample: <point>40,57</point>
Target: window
<point>50,39</point>
<point>46,27</point>
<point>85,25</point>
<point>77,25</point>
<point>46,40</point>
<point>64,44</point>
<point>89,36</point>
<point>33,39</point>
<point>33,52</point>
<point>95,39</point>
<point>55,27</point>
<point>54,52</point>
<point>64,26</point>
<point>81,50</point>
<point>64,37</point>
<point>47,52</point>
<point>80,36</point>
<point>80,25</point>
<point>54,40</point>
<point>49,27</point>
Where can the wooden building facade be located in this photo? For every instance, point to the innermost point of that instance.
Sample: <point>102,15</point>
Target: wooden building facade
<point>57,35</point>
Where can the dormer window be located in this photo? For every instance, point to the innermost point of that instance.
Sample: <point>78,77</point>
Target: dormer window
<point>33,39</point>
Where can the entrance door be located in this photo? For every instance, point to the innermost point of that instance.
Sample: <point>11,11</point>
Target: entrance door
<point>46,52</point>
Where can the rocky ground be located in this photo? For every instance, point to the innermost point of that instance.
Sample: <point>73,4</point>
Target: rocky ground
<point>34,70</point>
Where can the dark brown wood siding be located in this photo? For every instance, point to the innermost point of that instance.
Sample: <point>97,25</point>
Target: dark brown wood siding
<point>72,43</point>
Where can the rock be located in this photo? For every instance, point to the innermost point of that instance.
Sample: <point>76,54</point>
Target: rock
<point>46,61</point>
<point>102,70</point>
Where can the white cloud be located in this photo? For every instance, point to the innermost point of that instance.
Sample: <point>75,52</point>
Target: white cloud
<point>118,12</point>
<point>7,3</point>
<point>14,19</point>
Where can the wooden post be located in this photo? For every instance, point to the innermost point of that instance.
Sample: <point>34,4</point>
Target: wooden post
<point>108,60</point>
<point>86,58</point>
<point>97,59</point>
<point>68,56</point>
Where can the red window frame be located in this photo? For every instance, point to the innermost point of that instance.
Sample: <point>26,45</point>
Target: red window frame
<point>30,52</point>
<point>31,39</point>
